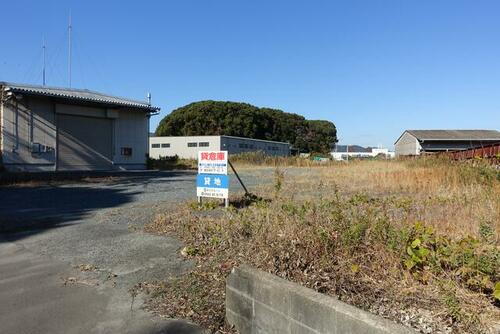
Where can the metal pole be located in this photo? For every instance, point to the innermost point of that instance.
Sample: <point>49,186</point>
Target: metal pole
<point>238,177</point>
<point>69,49</point>
<point>43,49</point>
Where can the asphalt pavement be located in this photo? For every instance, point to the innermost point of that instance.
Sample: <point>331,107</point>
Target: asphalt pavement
<point>71,252</point>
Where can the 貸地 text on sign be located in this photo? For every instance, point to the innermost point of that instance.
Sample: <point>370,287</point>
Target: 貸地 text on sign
<point>212,185</point>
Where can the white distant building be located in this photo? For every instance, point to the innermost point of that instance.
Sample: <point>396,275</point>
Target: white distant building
<point>344,152</point>
<point>187,147</point>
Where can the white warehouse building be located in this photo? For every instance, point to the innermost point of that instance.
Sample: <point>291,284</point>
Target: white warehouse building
<point>345,152</point>
<point>187,147</point>
<point>64,129</point>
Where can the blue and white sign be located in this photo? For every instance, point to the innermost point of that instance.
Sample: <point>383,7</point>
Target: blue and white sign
<point>212,185</point>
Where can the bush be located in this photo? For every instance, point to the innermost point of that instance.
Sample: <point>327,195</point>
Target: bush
<point>473,263</point>
<point>171,162</point>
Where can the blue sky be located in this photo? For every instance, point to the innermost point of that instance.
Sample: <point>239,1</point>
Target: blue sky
<point>374,68</point>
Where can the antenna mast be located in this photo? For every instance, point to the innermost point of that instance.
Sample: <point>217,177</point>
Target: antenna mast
<point>69,49</point>
<point>43,71</point>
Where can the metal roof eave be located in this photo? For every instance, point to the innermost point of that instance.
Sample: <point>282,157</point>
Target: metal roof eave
<point>406,131</point>
<point>103,101</point>
<point>421,140</point>
<point>457,139</point>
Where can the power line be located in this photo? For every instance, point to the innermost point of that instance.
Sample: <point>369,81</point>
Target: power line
<point>53,59</point>
<point>79,62</point>
<point>92,64</point>
<point>30,70</point>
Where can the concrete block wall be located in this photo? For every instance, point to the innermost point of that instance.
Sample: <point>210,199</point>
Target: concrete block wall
<point>261,303</point>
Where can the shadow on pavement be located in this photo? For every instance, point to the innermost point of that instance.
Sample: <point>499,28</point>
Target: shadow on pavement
<point>33,209</point>
<point>169,327</point>
<point>46,207</point>
<point>143,179</point>
<point>15,178</point>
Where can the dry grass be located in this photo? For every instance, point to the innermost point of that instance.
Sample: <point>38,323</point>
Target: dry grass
<point>260,159</point>
<point>413,241</point>
<point>452,197</point>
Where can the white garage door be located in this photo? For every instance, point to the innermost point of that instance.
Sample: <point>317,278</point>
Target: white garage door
<point>84,143</point>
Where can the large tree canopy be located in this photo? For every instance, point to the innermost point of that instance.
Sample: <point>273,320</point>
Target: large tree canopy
<point>245,120</point>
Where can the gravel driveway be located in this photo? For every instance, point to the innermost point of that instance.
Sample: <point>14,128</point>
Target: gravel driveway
<point>69,253</point>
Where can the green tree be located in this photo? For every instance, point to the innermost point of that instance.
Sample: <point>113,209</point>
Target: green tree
<point>245,120</point>
<point>322,135</point>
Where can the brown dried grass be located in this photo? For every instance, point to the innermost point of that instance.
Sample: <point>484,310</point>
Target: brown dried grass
<point>343,231</point>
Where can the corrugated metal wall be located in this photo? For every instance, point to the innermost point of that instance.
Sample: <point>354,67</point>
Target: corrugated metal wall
<point>84,143</point>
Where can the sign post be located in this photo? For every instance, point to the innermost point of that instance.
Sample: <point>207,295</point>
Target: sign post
<point>212,180</point>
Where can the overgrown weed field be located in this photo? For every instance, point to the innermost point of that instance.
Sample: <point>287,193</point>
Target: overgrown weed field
<point>414,241</point>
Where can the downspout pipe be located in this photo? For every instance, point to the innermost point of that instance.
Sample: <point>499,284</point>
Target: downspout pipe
<point>17,98</point>
<point>9,94</point>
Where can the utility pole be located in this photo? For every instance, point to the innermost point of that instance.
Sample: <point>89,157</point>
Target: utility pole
<point>43,71</point>
<point>347,151</point>
<point>69,49</point>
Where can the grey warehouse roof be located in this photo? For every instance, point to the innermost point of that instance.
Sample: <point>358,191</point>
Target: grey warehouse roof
<point>235,137</point>
<point>76,94</point>
<point>263,140</point>
<point>455,134</point>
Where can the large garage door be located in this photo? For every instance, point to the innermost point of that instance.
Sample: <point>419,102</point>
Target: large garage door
<point>84,143</point>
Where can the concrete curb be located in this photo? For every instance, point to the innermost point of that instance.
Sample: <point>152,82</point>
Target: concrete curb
<point>258,302</point>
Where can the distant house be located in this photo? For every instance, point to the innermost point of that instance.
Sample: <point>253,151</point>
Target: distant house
<point>188,146</point>
<point>344,152</point>
<point>416,142</point>
<point>64,129</point>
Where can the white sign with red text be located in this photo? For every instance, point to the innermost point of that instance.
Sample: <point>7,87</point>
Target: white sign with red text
<point>212,162</point>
